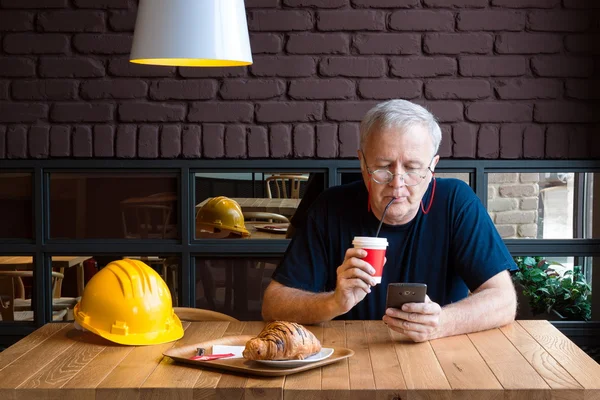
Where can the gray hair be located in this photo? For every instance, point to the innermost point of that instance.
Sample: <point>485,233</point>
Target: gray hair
<point>399,114</point>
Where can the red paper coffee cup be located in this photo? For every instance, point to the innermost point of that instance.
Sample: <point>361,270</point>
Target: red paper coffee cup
<point>375,248</point>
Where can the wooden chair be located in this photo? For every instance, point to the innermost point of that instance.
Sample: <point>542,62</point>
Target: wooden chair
<point>198,314</point>
<point>286,186</point>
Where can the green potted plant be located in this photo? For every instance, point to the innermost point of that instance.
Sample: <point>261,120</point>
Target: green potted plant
<point>550,294</point>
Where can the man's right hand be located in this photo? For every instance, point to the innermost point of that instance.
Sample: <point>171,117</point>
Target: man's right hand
<point>354,280</point>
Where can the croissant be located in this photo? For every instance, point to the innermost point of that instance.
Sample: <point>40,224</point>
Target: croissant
<point>281,340</point>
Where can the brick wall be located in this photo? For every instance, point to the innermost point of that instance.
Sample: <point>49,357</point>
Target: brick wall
<point>507,79</point>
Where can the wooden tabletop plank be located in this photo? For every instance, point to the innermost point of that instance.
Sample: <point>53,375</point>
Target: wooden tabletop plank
<point>28,343</point>
<point>465,370</point>
<point>578,364</point>
<point>171,380</point>
<point>548,368</point>
<point>359,365</point>
<point>335,377</point>
<point>384,361</point>
<point>306,385</point>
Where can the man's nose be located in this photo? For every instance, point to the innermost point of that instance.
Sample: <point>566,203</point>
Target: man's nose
<point>398,180</point>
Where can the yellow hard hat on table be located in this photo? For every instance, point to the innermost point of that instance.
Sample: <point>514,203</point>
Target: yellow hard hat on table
<point>221,215</point>
<point>127,302</point>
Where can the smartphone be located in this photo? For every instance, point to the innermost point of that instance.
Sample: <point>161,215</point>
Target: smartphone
<point>400,293</point>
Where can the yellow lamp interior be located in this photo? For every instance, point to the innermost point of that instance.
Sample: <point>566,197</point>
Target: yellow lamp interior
<point>190,62</point>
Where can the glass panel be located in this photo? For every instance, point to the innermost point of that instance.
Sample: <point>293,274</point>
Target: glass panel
<point>16,282</point>
<point>72,274</point>
<point>16,205</point>
<point>542,205</point>
<point>233,286</point>
<point>267,200</point>
<point>111,205</point>
<point>463,176</point>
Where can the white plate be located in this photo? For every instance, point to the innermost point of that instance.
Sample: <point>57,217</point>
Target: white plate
<point>323,354</point>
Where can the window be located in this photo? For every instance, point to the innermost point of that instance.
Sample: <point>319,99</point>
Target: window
<point>16,205</point>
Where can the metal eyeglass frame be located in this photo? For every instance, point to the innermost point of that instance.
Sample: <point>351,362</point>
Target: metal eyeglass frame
<point>392,175</point>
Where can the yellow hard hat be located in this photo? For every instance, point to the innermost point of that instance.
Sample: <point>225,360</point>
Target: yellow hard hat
<point>221,214</point>
<point>127,302</point>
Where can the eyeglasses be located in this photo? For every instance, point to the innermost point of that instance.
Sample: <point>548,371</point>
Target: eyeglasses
<point>382,176</point>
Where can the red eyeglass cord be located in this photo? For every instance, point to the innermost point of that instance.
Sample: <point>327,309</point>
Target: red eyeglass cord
<point>422,207</point>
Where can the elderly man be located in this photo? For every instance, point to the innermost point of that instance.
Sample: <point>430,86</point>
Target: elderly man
<point>438,232</point>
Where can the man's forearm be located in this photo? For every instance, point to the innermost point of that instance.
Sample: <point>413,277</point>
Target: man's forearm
<point>486,309</point>
<point>288,304</point>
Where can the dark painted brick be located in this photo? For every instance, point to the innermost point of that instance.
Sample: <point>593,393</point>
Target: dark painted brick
<point>113,89</point>
<point>526,88</point>
<point>528,43</point>
<point>55,89</point>
<point>289,111</point>
<point>526,3</point>
<point>585,44</point>
<point>102,3</point>
<point>36,43</point>
<point>122,67</point>
<point>565,111</point>
<point>584,89</point>
<point>225,72</point>
<point>17,67</point>
<point>71,21</point>
<point>39,141</point>
<point>321,89</point>
<point>221,112</point>
<point>247,89</point>
<point>151,112</point>
<point>315,3</point>
<point>558,21</point>
<point>286,66</point>
<point>258,142</point>
<point>104,141</point>
<point>34,3</point>
<point>279,20</point>
<point>60,141</point>
<point>492,66</point>
<point>106,43</point>
<point>422,20</point>
<point>280,140</point>
<point>457,43</point>
<point>587,4</point>
<point>389,88</point>
<point>148,141</point>
<point>490,20</point>
<point>534,141</point>
<point>189,89</point>
<point>447,143</point>
<point>579,137</point>
<point>304,141</point>
<point>235,141</point>
<point>595,145</point>
<point>82,141</point>
<point>468,89</point>
<point>327,140</point>
<point>385,3</point>
<point>561,66</point>
<point>488,143</point>
<point>82,112</point>
<point>126,141</point>
<point>318,43</point>
<point>456,3</point>
<point>345,111</point>
<point>122,21</point>
<point>22,112</point>
<point>511,140</point>
<point>213,140</point>
<point>557,142</point>
<point>16,141</point>
<point>494,111</point>
<point>2,141</point>
<point>351,20</point>
<point>417,67</point>
<point>349,135</point>
<point>261,3</point>
<point>364,67</point>
<point>53,67</point>
<point>170,141</point>
<point>4,90</point>
<point>444,111</point>
<point>16,21</point>
<point>266,43</point>
<point>387,43</point>
<point>464,138</point>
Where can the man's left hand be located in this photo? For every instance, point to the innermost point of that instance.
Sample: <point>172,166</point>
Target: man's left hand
<point>419,321</point>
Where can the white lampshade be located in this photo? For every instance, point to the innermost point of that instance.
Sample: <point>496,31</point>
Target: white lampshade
<point>191,33</point>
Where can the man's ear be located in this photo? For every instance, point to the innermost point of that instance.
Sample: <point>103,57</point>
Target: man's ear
<point>434,162</point>
<point>360,159</point>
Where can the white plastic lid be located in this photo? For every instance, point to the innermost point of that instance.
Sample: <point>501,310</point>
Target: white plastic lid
<point>369,242</point>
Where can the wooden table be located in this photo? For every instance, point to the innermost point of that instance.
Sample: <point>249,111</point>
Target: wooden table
<point>525,360</point>
<point>285,207</point>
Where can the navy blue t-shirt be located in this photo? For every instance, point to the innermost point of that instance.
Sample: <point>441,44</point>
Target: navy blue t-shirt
<point>453,249</point>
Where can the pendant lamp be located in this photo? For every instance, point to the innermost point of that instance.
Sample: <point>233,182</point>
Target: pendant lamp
<point>191,33</point>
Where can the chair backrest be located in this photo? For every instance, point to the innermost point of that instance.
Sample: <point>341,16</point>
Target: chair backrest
<point>8,280</point>
<point>149,217</point>
<point>285,186</point>
<point>197,314</point>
